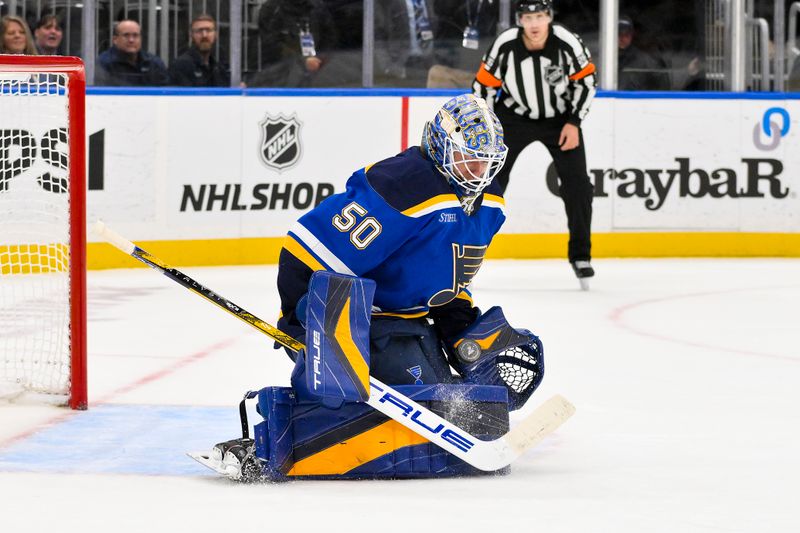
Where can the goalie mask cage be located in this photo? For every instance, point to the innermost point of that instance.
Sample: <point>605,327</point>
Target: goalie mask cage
<point>42,229</point>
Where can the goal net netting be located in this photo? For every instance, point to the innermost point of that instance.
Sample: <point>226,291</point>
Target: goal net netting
<point>37,285</point>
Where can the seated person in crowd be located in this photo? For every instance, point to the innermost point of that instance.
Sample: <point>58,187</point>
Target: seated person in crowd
<point>48,35</point>
<point>638,70</point>
<point>15,37</point>
<point>294,37</point>
<point>197,67</point>
<point>125,64</point>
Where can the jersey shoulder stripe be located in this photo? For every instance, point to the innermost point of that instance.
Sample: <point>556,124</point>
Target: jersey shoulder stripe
<point>294,247</point>
<point>318,250</point>
<point>437,203</point>
<point>495,201</point>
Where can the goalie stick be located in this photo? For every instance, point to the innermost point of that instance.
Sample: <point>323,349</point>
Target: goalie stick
<point>484,455</point>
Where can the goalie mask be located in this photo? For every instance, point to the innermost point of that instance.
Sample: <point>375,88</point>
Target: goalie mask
<point>465,140</point>
<point>491,352</point>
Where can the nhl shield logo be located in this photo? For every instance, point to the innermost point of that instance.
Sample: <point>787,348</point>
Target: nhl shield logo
<point>553,74</point>
<point>280,141</point>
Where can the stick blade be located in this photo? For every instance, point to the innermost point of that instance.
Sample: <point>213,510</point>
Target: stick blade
<point>547,418</point>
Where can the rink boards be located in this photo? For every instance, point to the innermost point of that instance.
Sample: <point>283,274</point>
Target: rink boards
<point>218,177</point>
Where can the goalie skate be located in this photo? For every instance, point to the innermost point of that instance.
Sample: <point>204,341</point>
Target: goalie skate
<point>206,459</point>
<point>234,459</point>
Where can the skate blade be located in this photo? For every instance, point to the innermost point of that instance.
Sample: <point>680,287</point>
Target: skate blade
<point>584,283</point>
<point>205,459</point>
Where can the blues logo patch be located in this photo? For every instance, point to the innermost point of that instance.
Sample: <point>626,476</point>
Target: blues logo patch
<point>416,373</point>
<point>466,262</point>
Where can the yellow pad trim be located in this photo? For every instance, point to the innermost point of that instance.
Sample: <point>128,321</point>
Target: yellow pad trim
<point>486,343</point>
<point>419,314</point>
<point>463,295</point>
<point>356,451</point>
<point>344,337</point>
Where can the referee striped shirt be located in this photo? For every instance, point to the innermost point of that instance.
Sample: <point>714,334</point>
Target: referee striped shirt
<point>556,80</point>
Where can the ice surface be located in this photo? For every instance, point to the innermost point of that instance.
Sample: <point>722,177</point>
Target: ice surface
<point>685,374</point>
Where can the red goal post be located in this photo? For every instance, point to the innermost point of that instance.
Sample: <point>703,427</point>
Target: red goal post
<point>28,249</point>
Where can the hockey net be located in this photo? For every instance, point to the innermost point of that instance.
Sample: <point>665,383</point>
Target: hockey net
<point>42,230</point>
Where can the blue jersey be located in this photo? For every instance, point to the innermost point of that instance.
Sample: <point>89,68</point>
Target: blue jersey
<point>400,224</point>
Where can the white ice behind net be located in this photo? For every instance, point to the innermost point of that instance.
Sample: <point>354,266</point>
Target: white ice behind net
<point>34,235</point>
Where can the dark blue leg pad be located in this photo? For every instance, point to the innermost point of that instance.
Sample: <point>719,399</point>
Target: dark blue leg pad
<point>298,432</point>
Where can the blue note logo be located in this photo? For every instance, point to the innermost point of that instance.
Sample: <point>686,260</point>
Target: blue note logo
<point>466,262</point>
<point>416,373</point>
<point>773,127</point>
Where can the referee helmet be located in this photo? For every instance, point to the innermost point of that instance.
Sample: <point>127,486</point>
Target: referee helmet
<point>534,6</point>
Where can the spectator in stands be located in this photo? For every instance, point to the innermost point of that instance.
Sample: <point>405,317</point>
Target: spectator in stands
<point>638,70</point>
<point>197,67</point>
<point>343,63</point>
<point>125,63</point>
<point>405,31</point>
<point>295,35</point>
<point>464,30</point>
<point>48,35</point>
<point>15,37</point>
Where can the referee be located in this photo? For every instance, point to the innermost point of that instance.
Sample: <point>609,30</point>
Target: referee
<point>541,80</point>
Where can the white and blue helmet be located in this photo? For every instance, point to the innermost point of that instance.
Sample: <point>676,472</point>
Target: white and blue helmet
<point>466,130</point>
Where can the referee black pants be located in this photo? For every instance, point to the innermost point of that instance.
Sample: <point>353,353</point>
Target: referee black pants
<point>575,187</point>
